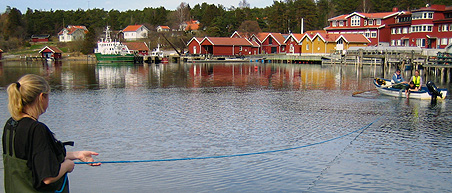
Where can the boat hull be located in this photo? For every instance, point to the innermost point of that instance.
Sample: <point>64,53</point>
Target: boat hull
<point>114,57</point>
<point>423,94</point>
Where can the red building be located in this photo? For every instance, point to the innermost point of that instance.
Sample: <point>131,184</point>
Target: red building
<point>270,43</point>
<point>226,46</point>
<point>40,38</point>
<point>194,46</point>
<point>51,52</point>
<point>293,43</point>
<point>138,48</point>
<point>372,25</point>
<point>427,27</point>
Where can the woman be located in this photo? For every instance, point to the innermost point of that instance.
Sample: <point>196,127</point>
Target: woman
<point>34,161</point>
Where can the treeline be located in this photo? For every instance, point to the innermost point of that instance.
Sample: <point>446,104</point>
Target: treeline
<point>216,20</point>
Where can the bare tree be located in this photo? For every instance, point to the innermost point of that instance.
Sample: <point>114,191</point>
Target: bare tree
<point>244,4</point>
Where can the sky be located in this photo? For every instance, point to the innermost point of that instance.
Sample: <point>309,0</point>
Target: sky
<point>120,5</point>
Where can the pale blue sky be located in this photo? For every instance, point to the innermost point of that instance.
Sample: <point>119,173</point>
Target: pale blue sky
<point>120,5</point>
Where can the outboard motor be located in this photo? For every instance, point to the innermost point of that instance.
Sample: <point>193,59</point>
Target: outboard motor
<point>433,91</point>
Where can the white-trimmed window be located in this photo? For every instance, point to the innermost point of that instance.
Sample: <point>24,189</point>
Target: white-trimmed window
<point>405,30</point>
<point>399,30</point>
<point>450,40</point>
<point>333,23</point>
<point>341,23</point>
<point>371,22</point>
<point>367,34</point>
<point>450,27</point>
<point>356,20</point>
<point>420,42</point>
<point>373,34</point>
<point>365,22</point>
<point>443,41</point>
<point>399,42</point>
<point>307,46</point>
<point>378,21</point>
<point>444,28</point>
<point>393,31</point>
<point>392,42</point>
<point>421,28</point>
<point>439,28</point>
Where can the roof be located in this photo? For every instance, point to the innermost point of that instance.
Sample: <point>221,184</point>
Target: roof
<point>381,15</point>
<point>132,28</point>
<point>163,26</point>
<point>261,36</point>
<point>278,37</point>
<point>136,45</point>
<point>40,36</point>
<point>297,37</point>
<point>354,38</point>
<point>226,41</point>
<point>72,28</point>
<point>53,49</point>
<point>199,40</point>
<point>192,25</point>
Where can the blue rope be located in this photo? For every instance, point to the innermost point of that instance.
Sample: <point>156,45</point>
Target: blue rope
<point>233,155</point>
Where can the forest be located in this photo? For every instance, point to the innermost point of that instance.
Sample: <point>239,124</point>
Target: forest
<point>284,16</point>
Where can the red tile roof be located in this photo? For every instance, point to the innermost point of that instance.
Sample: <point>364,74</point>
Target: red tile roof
<point>72,28</point>
<point>140,46</point>
<point>297,37</point>
<point>354,38</point>
<point>192,25</point>
<point>132,28</point>
<point>381,15</point>
<point>226,41</point>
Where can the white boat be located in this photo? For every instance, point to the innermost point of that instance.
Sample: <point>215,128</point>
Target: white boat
<point>384,86</point>
<point>112,51</point>
<point>157,52</point>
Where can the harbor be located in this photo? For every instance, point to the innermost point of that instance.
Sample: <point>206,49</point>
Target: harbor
<point>175,111</point>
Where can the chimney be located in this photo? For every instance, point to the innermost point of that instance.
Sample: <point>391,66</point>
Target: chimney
<point>395,9</point>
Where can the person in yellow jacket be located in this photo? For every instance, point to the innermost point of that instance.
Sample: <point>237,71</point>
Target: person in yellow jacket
<point>34,161</point>
<point>417,79</point>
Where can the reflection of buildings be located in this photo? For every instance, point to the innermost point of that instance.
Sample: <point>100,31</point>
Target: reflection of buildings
<point>121,76</point>
<point>260,75</point>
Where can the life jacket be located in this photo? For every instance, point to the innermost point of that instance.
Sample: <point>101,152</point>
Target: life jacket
<point>17,175</point>
<point>398,78</point>
<point>417,81</point>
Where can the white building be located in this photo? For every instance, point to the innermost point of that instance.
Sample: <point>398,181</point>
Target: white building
<point>134,32</point>
<point>72,33</point>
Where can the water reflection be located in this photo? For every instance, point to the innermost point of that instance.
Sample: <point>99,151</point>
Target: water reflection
<point>73,75</point>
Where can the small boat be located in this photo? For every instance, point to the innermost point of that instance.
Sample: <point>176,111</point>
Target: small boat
<point>112,51</point>
<point>384,86</point>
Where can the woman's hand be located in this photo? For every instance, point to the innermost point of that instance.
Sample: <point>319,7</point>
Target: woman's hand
<point>84,156</point>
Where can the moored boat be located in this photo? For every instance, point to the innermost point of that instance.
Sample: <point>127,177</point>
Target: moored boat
<point>384,86</point>
<point>112,51</point>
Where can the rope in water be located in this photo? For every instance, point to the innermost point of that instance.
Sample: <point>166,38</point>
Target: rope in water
<point>233,155</point>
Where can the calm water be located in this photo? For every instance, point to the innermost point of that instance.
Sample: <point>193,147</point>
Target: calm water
<point>197,110</point>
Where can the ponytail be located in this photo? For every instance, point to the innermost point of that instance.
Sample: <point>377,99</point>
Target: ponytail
<point>25,92</point>
<point>15,104</point>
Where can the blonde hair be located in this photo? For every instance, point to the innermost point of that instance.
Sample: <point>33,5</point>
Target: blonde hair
<point>24,92</point>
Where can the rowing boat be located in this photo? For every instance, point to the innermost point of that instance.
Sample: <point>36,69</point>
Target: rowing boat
<point>384,87</point>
